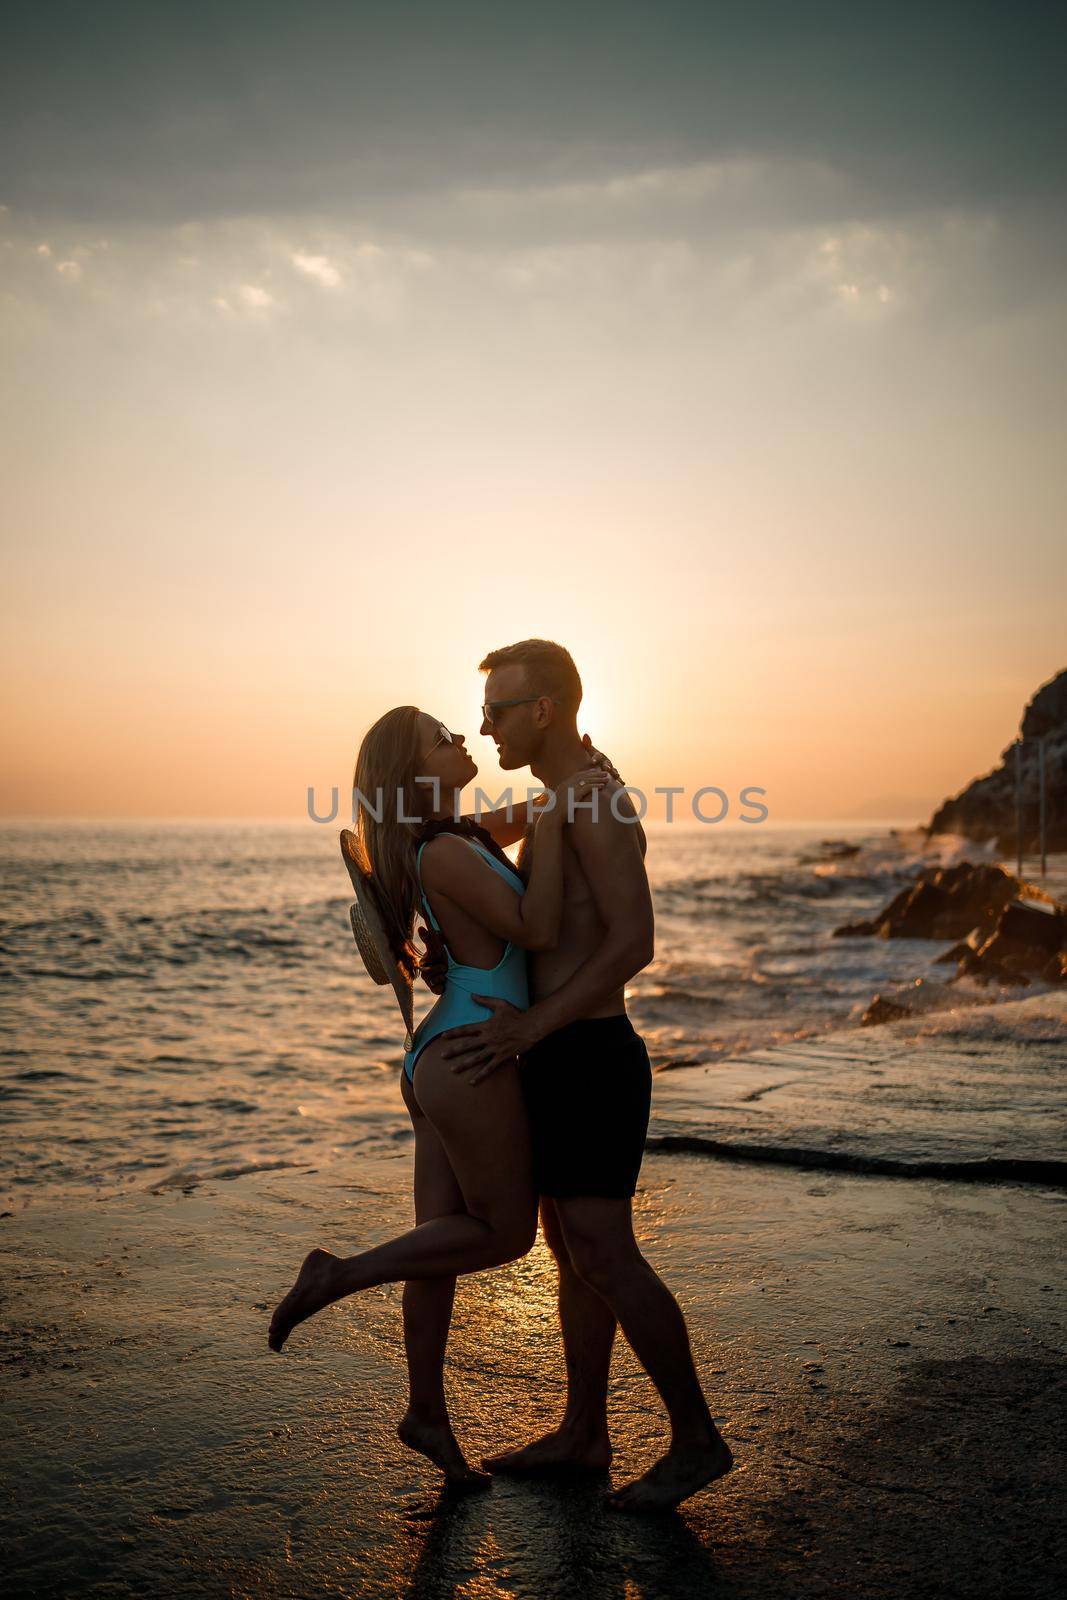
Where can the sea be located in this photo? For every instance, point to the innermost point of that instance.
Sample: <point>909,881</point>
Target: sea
<point>182,1002</point>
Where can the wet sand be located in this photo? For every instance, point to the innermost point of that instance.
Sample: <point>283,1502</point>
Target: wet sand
<point>885,1356</point>
<point>974,1093</point>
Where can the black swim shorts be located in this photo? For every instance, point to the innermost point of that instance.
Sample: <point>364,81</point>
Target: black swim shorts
<point>588,1090</point>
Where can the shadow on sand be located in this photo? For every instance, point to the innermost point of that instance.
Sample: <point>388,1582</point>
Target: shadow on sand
<point>539,1537</point>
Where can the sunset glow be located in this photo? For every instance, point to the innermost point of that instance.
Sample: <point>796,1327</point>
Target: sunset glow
<point>303,429</point>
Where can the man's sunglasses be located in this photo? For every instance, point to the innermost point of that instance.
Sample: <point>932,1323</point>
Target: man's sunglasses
<point>492,706</point>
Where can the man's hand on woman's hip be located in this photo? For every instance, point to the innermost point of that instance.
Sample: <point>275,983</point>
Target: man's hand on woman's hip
<point>481,1047</point>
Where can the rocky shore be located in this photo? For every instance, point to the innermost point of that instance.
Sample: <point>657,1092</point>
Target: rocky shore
<point>1005,930</point>
<point>985,809</point>
<point>971,1092</point>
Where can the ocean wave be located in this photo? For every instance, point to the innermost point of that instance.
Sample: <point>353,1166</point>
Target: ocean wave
<point>1048,1173</point>
<point>671,994</point>
<point>220,964</point>
<point>92,947</point>
<point>761,893</point>
<point>45,1074</point>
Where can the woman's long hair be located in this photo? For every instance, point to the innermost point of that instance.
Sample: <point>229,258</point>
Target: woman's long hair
<point>386,767</point>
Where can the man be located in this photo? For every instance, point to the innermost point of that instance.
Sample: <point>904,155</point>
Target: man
<point>587,1083</point>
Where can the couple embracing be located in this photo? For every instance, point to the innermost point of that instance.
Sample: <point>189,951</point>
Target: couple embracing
<point>526,1083</point>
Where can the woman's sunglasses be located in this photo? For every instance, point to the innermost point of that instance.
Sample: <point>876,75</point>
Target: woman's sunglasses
<point>443,737</point>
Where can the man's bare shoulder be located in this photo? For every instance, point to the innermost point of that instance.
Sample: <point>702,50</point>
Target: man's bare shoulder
<point>611,827</point>
<point>616,797</point>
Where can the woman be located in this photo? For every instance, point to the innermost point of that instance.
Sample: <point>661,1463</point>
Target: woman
<point>475,1205</point>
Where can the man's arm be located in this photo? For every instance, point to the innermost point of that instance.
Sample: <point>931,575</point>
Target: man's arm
<point>507,832</point>
<point>497,825</point>
<point>609,851</point>
<point>612,859</point>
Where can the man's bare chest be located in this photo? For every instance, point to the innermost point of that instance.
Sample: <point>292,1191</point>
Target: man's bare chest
<point>576,892</point>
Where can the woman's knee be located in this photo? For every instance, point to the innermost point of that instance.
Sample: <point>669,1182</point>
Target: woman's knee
<point>512,1236</point>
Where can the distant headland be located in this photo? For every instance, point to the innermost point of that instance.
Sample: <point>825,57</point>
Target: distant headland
<point>985,809</point>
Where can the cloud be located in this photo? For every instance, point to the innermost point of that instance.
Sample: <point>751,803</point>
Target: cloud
<point>685,200</point>
<point>253,268</point>
<point>704,246</point>
<point>339,109</point>
<point>320,268</point>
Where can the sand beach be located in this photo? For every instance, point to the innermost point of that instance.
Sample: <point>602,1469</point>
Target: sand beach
<point>887,1357</point>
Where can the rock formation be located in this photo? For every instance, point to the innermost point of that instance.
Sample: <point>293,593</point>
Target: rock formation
<point>1007,931</point>
<point>944,903</point>
<point>1027,940</point>
<point>985,809</point>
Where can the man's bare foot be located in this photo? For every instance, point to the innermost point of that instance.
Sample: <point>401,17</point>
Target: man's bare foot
<point>437,1441</point>
<point>313,1289</point>
<point>675,1476</point>
<point>561,1451</point>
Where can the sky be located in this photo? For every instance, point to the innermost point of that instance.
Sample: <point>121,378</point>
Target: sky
<point>343,343</point>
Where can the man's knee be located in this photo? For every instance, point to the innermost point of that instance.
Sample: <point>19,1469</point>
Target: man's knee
<point>600,1239</point>
<point>603,1262</point>
<point>552,1229</point>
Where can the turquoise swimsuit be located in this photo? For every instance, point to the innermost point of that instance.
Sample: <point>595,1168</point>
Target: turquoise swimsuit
<point>505,981</point>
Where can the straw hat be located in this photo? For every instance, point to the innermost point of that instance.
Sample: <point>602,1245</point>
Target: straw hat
<point>371,939</point>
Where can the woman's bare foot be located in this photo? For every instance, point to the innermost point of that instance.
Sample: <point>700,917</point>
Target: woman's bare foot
<point>561,1451</point>
<point>437,1441</point>
<point>675,1476</point>
<point>313,1289</point>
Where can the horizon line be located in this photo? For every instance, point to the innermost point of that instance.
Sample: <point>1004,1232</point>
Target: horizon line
<point>22,819</point>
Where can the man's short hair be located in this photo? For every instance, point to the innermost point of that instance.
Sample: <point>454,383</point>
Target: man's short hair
<point>549,669</point>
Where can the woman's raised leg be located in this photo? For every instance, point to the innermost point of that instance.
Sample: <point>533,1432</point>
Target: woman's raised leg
<point>484,1132</point>
<point>427,1302</point>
